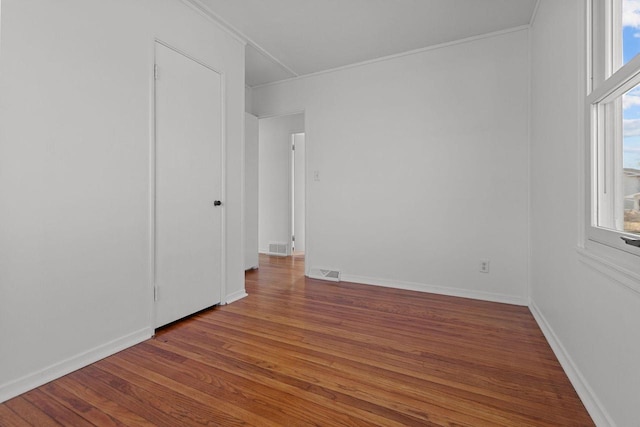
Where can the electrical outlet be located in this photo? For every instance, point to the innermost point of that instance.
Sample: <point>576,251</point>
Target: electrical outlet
<point>484,266</point>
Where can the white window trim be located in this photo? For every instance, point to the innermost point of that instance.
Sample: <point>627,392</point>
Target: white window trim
<point>599,90</point>
<point>615,263</point>
<point>610,268</point>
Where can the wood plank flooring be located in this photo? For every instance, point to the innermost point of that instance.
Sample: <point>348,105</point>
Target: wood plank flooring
<point>299,352</point>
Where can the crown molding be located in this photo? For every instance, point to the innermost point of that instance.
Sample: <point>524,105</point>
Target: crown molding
<point>206,11</point>
<point>534,14</point>
<point>400,55</point>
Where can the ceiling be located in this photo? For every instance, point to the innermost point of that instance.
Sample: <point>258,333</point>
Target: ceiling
<point>289,38</point>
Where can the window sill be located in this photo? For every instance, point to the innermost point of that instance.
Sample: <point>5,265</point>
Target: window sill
<point>600,258</point>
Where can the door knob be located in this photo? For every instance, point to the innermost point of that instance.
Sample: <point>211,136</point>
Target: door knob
<point>217,203</point>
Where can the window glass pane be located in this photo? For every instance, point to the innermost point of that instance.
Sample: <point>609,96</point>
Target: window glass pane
<point>630,179</point>
<point>618,163</point>
<point>630,29</point>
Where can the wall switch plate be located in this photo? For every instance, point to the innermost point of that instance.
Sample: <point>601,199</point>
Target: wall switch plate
<point>316,175</point>
<point>484,266</point>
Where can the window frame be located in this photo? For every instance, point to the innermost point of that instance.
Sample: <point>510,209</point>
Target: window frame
<point>605,86</point>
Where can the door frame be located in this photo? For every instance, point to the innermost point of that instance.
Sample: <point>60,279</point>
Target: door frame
<point>153,177</point>
<point>292,189</point>
<point>307,159</point>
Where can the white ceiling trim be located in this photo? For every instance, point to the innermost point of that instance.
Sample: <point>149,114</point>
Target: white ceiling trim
<point>207,13</point>
<point>399,55</point>
<point>534,14</point>
<point>280,114</point>
<point>226,26</point>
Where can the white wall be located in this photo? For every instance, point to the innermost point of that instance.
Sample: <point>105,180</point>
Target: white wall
<point>75,201</point>
<point>423,167</point>
<point>275,178</point>
<point>590,318</point>
<point>248,99</point>
<point>250,191</point>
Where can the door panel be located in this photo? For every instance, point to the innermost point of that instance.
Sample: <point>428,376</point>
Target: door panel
<point>299,191</point>
<point>250,191</point>
<point>188,181</point>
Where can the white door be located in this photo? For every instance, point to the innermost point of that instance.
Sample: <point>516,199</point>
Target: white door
<point>299,191</point>
<point>188,102</point>
<point>250,191</point>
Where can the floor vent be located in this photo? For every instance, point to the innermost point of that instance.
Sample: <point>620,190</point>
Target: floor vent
<point>276,248</point>
<point>322,274</point>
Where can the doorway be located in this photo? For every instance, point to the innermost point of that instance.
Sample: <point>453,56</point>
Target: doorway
<point>281,199</point>
<point>188,186</point>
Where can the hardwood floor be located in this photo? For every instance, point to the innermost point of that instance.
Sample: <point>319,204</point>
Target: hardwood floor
<point>300,352</point>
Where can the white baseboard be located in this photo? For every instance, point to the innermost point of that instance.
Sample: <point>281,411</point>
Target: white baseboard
<point>266,252</point>
<point>236,296</point>
<point>591,402</point>
<point>441,290</point>
<point>57,370</point>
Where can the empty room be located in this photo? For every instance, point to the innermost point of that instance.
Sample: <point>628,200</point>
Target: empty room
<point>320,212</point>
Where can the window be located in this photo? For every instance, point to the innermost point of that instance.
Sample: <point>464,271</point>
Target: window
<point>613,195</point>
